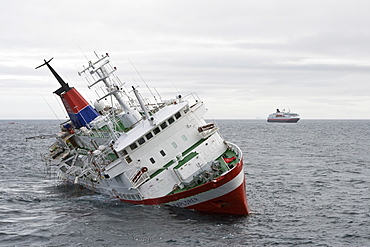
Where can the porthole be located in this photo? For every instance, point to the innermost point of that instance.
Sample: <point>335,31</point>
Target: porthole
<point>152,160</point>
<point>162,153</point>
<point>184,138</point>
<point>174,144</point>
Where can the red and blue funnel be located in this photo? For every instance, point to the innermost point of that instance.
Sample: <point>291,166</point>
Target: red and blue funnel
<point>79,110</point>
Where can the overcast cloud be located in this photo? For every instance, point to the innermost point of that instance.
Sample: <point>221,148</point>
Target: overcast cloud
<point>244,58</point>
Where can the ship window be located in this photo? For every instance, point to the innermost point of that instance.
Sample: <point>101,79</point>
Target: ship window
<point>163,153</point>
<point>149,135</point>
<point>174,144</point>
<point>124,152</point>
<point>177,115</point>
<point>171,120</point>
<point>128,159</point>
<point>152,160</point>
<point>184,138</point>
<point>163,125</point>
<point>133,146</point>
<point>141,140</point>
<point>156,130</point>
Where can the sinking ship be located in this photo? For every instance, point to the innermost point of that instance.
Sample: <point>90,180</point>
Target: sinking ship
<point>145,153</point>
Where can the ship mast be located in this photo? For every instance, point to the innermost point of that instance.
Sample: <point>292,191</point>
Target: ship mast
<point>64,86</point>
<point>102,70</point>
<point>143,107</point>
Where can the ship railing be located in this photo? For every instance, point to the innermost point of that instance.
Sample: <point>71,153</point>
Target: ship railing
<point>236,149</point>
<point>77,171</point>
<point>104,134</point>
<point>95,133</point>
<point>193,99</point>
<point>74,170</point>
<point>137,176</point>
<point>88,172</point>
<point>113,129</point>
<point>143,178</point>
<point>102,160</point>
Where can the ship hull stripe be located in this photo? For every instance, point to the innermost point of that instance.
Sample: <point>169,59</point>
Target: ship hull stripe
<point>228,189</point>
<point>234,202</point>
<point>210,194</point>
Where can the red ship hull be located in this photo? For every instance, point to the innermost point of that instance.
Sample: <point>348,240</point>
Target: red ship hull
<point>226,194</point>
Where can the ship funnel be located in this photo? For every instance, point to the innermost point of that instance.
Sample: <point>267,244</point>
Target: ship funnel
<point>79,110</point>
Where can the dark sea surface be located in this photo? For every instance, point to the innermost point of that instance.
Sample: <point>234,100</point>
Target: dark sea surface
<point>308,184</point>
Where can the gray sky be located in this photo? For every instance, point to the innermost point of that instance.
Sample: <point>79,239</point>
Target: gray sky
<point>244,58</point>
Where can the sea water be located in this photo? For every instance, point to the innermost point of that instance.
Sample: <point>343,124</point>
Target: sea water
<point>308,184</point>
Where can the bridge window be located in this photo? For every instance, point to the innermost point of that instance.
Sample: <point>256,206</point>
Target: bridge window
<point>149,135</point>
<point>163,125</point>
<point>156,130</point>
<point>177,115</point>
<point>133,146</point>
<point>141,140</point>
<point>171,120</point>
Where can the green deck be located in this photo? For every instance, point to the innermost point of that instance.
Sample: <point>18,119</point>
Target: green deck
<point>188,155</point>
<point>224,167</point>
<point>228,154</point>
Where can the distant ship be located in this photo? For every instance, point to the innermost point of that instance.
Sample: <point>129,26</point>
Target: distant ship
<point>142,153</point>
<point>283,117</point>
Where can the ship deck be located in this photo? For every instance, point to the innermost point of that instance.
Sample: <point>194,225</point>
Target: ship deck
<point>224,167</point>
